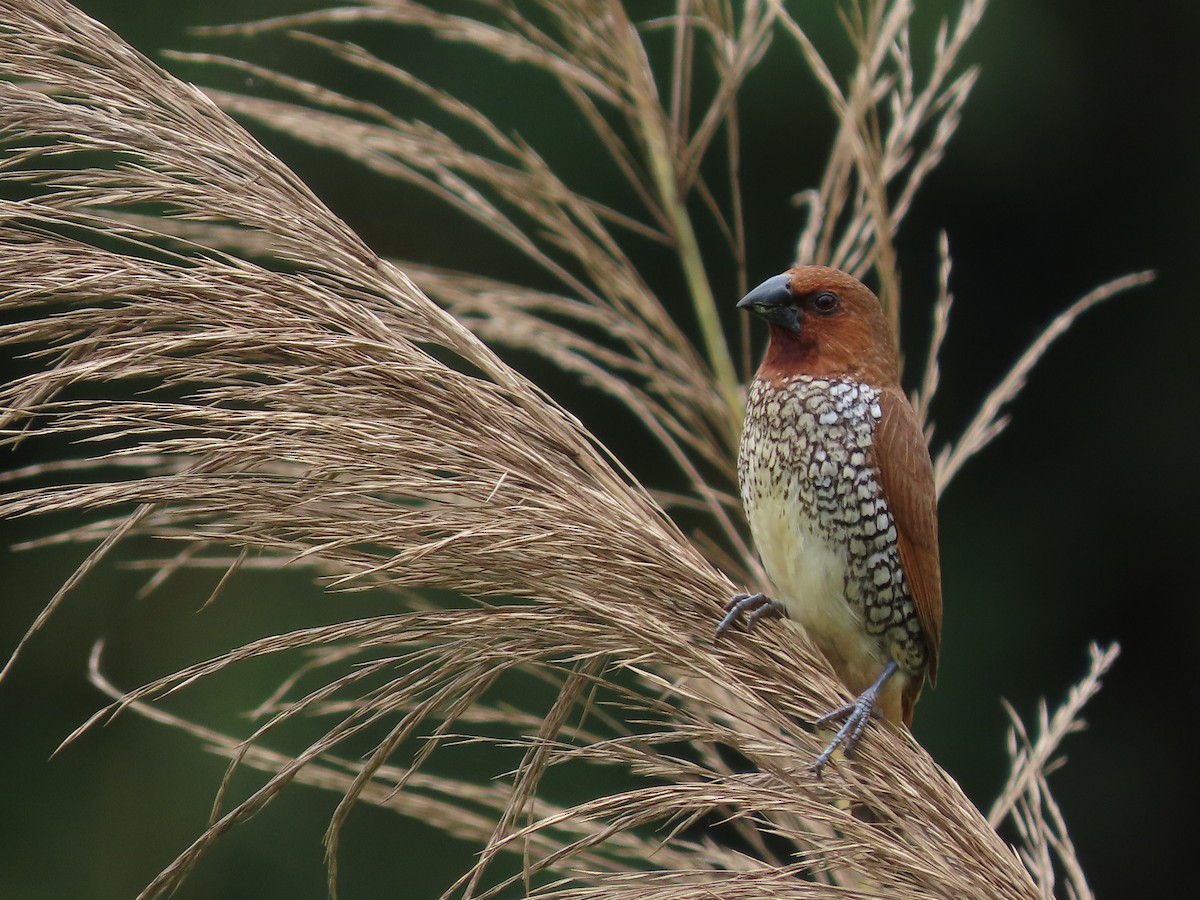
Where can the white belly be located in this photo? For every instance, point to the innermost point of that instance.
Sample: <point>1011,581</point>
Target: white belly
<point>809,575</point>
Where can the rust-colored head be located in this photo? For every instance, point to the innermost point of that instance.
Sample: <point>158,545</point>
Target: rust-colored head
<point>823,323</point>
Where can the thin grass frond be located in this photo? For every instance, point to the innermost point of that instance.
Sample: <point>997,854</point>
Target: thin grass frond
<point>891,135</point>
<point>1026,797</point>
<point>990,420</point>
<point>923,398</point>
<point>595,54</point>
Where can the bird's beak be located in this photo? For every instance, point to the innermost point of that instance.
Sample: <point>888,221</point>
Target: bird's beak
<point>773,301</point>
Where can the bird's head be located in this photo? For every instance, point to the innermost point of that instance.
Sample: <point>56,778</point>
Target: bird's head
<point>823,323</point>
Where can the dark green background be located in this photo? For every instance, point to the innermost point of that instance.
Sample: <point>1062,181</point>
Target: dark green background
<point>1078,161</point>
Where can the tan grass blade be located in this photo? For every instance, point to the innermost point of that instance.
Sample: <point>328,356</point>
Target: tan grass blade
<point>593,50</point>
<point>990,420</point>
<point>1026,797</point>
<point>892,134</point>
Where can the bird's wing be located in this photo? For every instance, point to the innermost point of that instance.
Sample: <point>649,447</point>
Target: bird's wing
<point>906,476</point>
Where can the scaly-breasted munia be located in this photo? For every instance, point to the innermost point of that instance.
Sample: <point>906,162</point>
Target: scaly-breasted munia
<point>838,489</point>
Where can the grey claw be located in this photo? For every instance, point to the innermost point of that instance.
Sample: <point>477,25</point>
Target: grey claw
<point>752,606</point>
<point>857,715</point>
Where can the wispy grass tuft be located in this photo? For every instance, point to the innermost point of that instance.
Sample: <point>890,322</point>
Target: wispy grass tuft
<point>264,389</point>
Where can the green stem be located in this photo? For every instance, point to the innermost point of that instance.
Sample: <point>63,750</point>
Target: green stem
<point>653,124</point>
<point>703,303</point>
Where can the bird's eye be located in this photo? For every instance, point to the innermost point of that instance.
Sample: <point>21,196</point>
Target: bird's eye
<point>826,302</point>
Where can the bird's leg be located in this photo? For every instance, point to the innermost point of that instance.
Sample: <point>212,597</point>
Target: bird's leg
<point>752,606</point>
<point>856,716</point>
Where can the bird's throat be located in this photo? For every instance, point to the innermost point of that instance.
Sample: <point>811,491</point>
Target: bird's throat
<point>788,354</point>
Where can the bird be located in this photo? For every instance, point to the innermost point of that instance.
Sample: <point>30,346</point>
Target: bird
<point>837,485</point>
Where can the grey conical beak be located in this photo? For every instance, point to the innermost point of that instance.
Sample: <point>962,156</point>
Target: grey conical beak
<point>773,292</point>
<point>773,301</point>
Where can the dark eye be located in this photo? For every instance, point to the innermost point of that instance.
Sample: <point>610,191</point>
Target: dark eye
<point>826,302</point>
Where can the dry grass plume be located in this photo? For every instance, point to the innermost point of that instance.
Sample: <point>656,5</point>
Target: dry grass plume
<point>248,378</point>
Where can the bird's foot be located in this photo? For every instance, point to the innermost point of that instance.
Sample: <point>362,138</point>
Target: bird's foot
<point>752,606</point>
<point>854,718</point>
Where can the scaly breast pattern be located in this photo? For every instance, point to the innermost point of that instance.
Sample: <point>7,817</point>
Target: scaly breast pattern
<point>822,525</point>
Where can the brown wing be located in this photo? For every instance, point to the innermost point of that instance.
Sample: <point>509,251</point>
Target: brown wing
<point>906,476</point>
